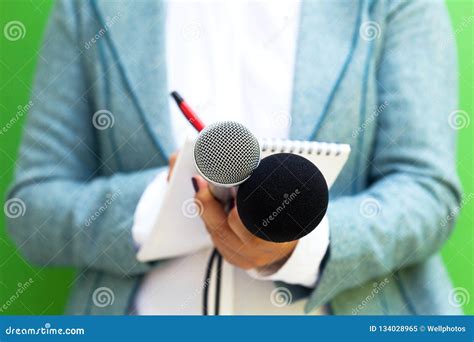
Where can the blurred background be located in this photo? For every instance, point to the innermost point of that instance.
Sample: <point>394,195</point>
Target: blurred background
<point>46,290</point>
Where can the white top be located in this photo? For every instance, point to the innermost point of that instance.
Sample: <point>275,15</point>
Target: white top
<point>231,60</point>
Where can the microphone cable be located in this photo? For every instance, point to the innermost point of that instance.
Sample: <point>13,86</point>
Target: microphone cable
<point>215,257</point>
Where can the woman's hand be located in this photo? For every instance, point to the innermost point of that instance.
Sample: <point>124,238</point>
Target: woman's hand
<point>234,242</point>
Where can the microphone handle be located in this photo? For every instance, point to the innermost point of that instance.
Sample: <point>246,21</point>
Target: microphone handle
<point>223,194</point>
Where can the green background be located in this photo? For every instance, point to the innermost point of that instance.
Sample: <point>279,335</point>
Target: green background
<point>50,288</point>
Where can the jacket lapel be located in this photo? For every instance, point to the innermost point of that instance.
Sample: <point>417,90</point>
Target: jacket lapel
<point>328,35</point>
<point>140,58</point>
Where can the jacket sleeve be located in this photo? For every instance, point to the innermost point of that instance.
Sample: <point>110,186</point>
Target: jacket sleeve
<point>67,212</point>
<point>400,218</point>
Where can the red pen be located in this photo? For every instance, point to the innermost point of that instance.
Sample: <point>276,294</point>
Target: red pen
<point>188,112</point>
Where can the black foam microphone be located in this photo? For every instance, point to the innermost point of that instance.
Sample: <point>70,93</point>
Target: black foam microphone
<point>284,199</point>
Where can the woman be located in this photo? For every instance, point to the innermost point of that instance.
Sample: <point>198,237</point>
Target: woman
<point>378,75</point>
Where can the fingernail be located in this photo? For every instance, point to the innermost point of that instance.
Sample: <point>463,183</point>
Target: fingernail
<point>195,184</point>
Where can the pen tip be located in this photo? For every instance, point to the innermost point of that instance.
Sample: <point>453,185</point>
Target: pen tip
<point>176,97</point>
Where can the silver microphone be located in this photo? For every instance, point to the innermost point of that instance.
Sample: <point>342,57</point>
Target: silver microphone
<point>225,154</point>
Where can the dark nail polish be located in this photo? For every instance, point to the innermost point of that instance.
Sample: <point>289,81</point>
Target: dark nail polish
<point>195,184</point>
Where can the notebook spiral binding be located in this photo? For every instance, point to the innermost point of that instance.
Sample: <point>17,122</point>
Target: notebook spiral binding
<point>299,147</point>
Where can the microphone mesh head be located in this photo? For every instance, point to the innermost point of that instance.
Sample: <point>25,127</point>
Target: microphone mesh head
<point>226,153</point>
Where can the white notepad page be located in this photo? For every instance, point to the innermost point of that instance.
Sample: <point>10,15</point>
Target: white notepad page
<point>178,218</point>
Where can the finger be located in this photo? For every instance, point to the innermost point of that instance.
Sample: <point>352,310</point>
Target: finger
<point>213,213</point>
<point>215,216</point>
<point>236,225</point>
<point>215,219</point>
<point>260,250</point>
<point>245,257</point>
<point>233,256</point>
<point>223,235</point>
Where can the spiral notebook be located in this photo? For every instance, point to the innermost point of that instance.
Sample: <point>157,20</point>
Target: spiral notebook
<point>178,218</point>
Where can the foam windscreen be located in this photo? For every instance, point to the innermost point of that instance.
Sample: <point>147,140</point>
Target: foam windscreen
<point>285,198</point>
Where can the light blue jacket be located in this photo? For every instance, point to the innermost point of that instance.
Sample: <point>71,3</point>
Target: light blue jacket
<point>378,75</point>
